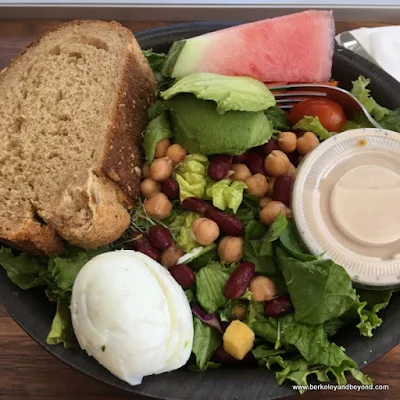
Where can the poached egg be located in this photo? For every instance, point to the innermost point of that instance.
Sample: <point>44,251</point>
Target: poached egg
<point>130,314</point>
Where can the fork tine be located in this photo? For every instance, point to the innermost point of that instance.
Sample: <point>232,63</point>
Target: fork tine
<point>298,94</point>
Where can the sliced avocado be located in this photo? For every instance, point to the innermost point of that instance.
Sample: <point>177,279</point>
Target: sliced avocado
<point>239,93</point>
<point>200,129</point>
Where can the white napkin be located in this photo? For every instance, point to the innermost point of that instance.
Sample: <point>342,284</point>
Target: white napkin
<point>383,44</point>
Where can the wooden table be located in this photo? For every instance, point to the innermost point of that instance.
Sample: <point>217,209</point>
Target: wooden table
<point>27,371</point>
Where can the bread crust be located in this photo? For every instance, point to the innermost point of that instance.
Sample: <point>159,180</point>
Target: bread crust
<point>122,159</point>
<point>118,172</point>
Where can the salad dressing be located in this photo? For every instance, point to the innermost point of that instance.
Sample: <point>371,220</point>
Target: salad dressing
<point>346,204</point>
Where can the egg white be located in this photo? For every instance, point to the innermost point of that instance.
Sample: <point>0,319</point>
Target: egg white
<point>130,314</point>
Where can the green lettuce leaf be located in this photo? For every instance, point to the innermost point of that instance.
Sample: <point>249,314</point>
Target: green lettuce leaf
<point>190,295</point>
<point>320,290</point>
<point>226,194</point>
<point>23,270</point>
<point>156,61</point>
<point>369,303</point>
<point>298,370</point>
<point>293,244</point>
<point>206,341</point>
<point>313,124</point>
<point>277,228</point>
<point>254,230</point>
<point>360,91</point>
<point>206,257</point>
<point>61,331</point>
<point>192,176</point>
<point>238,93</point>
<point>210,282</point>
<point>392,121</point>
<point>184,238</point>
<point>157,129</point>
<point>62,271</point>
<point>278,118</point>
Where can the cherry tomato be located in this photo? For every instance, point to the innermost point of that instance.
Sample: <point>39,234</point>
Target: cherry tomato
<point>330,113</point>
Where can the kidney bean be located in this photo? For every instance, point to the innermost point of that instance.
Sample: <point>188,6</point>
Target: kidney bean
<point>299,133</point>
<point>224,358</point>
<point>241,158</point>
<point>183,275</point>
<point>294,158</point>
<point>152,253</point>
<point>160,237</point>
<point>137,240</point>
<point>228,224</point>
<point>219,166</point>
<point>140,242</point>
<point>195,205</point>
<point>170,188</point>
<point>239,280</point>
<point>269,147</point>
<point>255,161</point>
<point>283,189</point>
<point>278,306</point>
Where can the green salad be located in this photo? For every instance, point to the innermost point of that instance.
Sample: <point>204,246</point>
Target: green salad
<point>220,161</point>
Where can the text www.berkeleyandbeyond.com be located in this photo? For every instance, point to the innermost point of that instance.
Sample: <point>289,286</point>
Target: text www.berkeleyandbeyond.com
<point>349,386</point>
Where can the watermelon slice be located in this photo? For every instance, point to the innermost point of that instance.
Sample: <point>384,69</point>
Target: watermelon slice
<point>293,48</point>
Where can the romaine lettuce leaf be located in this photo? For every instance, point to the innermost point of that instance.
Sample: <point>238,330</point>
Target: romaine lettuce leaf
<point>23,270</point>
<point>184,238</point>
<point>277,228</point>
<point>313,124</point>
<point>369,303</point>
<point>210,282</point>
<point>156,61</point>
<point>278,118</point>
<point>392,121</point>
<point>320,290</point>
<point>206,341</point>
<point>205,258</point>
<point>61,331</point>
<point>238,93</point>
<point>157,129</point>
<point>192,176</point>
<point>360,91</point>
<point>226,194</point>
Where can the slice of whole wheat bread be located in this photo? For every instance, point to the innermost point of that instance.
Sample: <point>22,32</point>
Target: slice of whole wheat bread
<point>72,110</point>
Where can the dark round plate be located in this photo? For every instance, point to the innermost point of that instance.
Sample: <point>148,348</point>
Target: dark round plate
<point>34,313</point>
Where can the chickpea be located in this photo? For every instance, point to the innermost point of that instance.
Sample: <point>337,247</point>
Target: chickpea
<point>307,143</point>
<point>262,289</point>
<point>205,231</point>
<point>158,206</point>
<point>241,172</point>
<point>145,171</point>
<point>171,255</point>
<point>270,212</point>
<point>230,249</point>
<point>161,169</point>
<point>263,201</point>
<point>240,311</point>
<point>161,148</point>
<point>287,141</point>
<point>291,170</point>
<point>176,153</point>
<point>271,183</point>
<point>257,185</point>
<point>149,188</point>
<point>276,163</point>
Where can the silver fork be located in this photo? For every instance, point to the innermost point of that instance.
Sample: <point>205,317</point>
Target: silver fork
<point>295,93</point>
